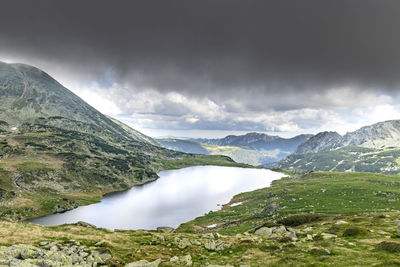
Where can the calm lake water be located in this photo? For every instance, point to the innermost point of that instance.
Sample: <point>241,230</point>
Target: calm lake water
<point>177,196</point>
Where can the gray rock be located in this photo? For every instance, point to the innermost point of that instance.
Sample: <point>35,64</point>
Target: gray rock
<point>271,208</point>
<point>186,260</point>
<point>217,245</point>
<point>144,263</point>
<point>264,231</point>
<point>328,236</point>
<point>174,259</point>
<point>100,243</point>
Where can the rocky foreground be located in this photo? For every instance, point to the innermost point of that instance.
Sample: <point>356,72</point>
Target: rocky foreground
<point>351,240</point>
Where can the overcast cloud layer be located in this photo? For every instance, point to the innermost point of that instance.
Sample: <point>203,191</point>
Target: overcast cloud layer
<point>276,66</point>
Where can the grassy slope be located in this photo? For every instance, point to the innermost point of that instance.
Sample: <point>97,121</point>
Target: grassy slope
<point>369,203</point>
<point>326,193</point>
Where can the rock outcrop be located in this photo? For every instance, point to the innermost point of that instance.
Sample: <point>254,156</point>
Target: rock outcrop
<point>52,254</point>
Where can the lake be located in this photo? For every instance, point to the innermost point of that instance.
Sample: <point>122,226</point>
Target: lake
<point>176,197</point>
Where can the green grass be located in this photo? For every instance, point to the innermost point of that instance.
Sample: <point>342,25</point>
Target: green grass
<point>321,193</point>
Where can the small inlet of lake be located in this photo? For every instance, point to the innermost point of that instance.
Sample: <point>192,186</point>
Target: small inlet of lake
<point>176,197</point>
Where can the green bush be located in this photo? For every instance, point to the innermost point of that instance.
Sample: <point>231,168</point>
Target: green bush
<point>296,220</point>
<point>352,231</point>
<point>389,246</point>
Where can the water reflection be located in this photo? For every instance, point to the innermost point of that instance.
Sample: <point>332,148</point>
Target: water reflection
<point>176,197</point>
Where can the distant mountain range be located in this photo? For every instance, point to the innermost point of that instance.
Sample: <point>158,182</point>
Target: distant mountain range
<point>252,148</point>
<point>374,148</point>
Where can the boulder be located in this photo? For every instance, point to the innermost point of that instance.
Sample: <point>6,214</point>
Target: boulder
<point>216,245</point>
<point>264,231</point>
<point>186,260</point>
<point>328,236</point>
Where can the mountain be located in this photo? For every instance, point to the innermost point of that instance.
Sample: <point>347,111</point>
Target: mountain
<point>379,135</point>
<point>373,148</point>
<point>186,146</point>
<point>253,148</point>
<point>258,141</point>
<point>320,142</point>
<point>57,152</point>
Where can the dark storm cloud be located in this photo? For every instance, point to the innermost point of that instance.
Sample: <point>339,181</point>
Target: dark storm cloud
<point>218,47</point>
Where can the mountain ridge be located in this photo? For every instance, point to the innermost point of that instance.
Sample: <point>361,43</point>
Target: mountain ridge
<point>378,136</point>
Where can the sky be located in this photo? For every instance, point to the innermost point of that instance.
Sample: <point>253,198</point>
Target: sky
<point>215,67</point>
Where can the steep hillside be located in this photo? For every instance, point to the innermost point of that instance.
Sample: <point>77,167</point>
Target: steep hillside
<point>57,152</point>
<point>186,146</point>
<point>374,148</point>
<point>320,142</point>
<point>380,135</point>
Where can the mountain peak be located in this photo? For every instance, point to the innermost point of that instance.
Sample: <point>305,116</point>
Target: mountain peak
<point>320,142</point>
<point>30,95</point>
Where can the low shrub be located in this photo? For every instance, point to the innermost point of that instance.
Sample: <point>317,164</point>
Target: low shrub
<point>296,220</point>
<point>352,231</point>
<point>389,246</point>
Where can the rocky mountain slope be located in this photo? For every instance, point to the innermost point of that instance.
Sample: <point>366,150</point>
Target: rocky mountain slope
<point>320,142</point>
<point>374,148</point>
<point>380,135</point>
<point>57,152</point>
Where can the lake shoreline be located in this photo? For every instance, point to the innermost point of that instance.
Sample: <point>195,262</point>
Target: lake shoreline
<point>117,194</point>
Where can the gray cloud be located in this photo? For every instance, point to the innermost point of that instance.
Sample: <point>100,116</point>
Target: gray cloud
<point>245,56</point>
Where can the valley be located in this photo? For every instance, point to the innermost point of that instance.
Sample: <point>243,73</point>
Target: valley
<point>53,160</point>
<point>255,149</point>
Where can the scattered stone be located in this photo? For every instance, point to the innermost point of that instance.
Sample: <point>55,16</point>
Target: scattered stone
<point>308,229</point>
<point>277,232</point>
<point>186,260</point>
<point>328,236</point>
<point>264,231</point>
<point>271,208</point>
<point>53,254</point>
<point>165,229</point>
<point>100,243</point>
<point>144,263</point>
<point>184,243</point>
<point>341,222</point>
<point>309,237</point>
<point>208,235</point>
<point>195,242</point>
<point>382,232</point>
<point>174,259</point>
<point>217,245</point>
